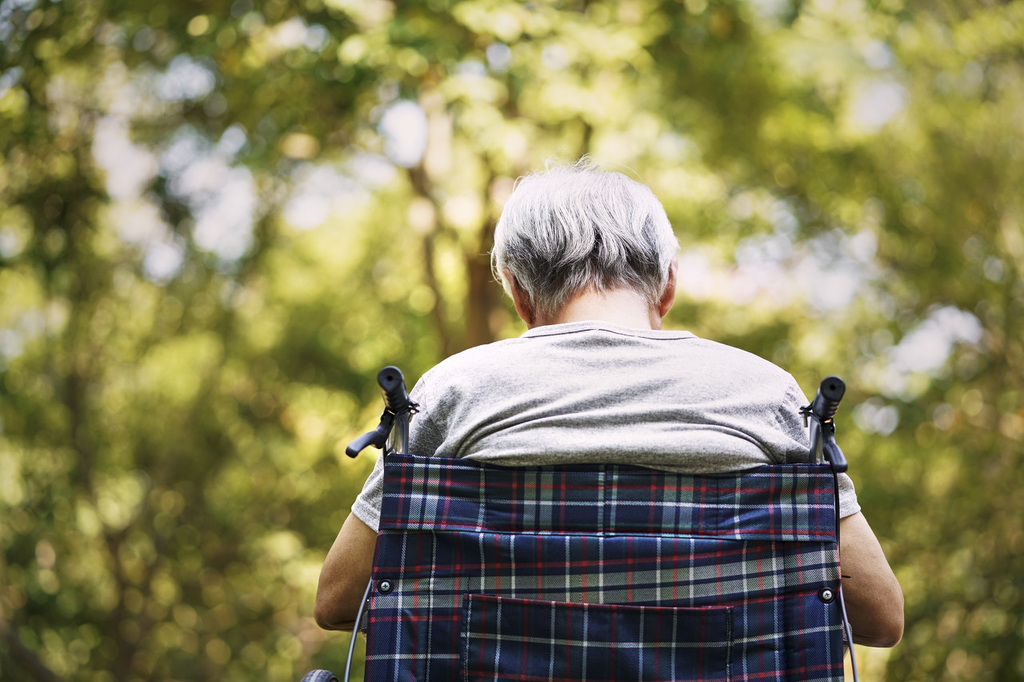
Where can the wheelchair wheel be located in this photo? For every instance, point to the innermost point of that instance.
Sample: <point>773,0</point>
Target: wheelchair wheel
<point>320,676</point>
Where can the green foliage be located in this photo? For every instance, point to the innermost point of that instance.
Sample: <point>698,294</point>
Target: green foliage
<point>213,234</point>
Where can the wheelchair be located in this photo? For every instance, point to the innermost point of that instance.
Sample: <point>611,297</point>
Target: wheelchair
<point>603,572</point>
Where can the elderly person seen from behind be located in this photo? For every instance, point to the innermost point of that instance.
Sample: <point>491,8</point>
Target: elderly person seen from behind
<point>589,260</point>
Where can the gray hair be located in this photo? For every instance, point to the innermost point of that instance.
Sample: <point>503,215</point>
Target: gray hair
<point>570,229</point>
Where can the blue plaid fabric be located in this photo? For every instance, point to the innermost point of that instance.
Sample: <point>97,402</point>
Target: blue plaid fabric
<point>604,573</point>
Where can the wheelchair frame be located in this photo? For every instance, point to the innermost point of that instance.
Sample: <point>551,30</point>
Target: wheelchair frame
<point>392,433</point>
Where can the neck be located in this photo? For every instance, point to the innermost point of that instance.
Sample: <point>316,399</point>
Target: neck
<point>623,307</point>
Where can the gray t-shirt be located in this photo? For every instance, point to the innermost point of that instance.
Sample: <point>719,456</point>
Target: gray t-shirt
<point>593,392</point>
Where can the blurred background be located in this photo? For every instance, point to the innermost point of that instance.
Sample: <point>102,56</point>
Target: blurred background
<point>219,219</point>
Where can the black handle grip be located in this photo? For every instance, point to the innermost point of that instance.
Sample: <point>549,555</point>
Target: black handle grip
<point>835,457</point>
<point>393,384</point>
<point>826,402</point>
<point>375,438</point>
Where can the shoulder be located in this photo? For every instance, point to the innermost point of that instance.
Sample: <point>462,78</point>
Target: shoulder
<point>476,358</point>
<point>742,361</point>
<point>465,368</point>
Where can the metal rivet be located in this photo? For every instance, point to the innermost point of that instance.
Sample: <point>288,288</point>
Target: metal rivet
<point>826,595</point>
<point>385,586</point>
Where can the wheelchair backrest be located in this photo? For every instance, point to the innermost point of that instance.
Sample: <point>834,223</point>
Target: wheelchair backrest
<point>604,572</point>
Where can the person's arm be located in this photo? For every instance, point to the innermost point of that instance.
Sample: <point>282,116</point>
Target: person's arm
<point>344,576</point>
<point>874,599</point>
<point>349,563</point>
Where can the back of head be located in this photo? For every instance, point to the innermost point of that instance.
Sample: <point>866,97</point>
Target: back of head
<point>572,229</point>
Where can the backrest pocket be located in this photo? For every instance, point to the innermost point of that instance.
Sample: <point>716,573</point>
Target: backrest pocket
<point>531,639</point>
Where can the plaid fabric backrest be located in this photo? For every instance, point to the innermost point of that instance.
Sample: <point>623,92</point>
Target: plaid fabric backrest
<point>604,573</point>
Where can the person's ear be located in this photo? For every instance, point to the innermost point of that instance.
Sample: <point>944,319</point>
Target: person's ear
<point>668,296</point>
<point>524,307</point>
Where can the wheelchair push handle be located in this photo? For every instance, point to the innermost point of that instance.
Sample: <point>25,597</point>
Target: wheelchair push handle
<point>820,413</point>
<point>391,381</point>
<point>394,423</point>
<point>827,400</point>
